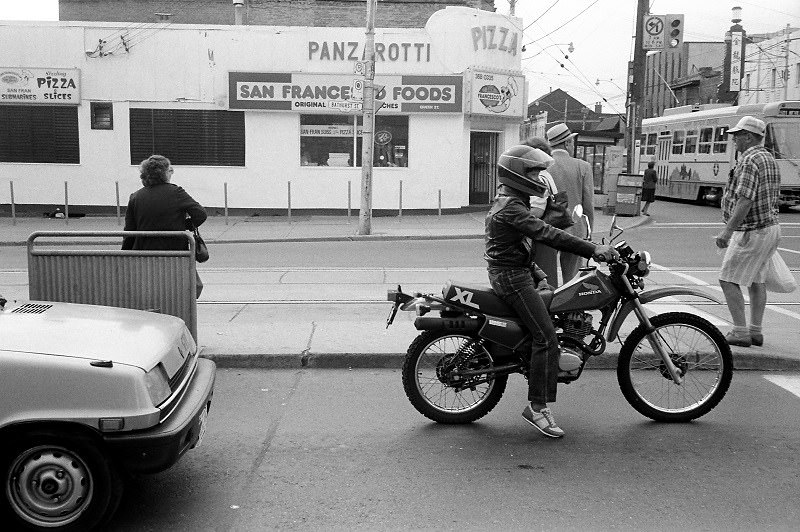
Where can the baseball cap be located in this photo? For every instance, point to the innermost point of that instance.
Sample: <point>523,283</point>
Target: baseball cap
<point>751,124</point>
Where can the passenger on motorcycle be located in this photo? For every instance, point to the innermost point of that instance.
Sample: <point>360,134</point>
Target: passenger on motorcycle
<point>511,230</point>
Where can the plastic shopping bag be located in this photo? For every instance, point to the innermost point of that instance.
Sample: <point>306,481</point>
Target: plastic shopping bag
<point>779,278</point>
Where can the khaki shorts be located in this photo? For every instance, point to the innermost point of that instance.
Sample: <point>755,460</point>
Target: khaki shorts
<point>747,256</point>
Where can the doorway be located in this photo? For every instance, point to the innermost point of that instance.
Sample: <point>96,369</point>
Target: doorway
<point>482,166</point>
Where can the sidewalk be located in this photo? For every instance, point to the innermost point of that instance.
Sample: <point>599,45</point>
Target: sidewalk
<point>318,334</point>
<point>298,228</point>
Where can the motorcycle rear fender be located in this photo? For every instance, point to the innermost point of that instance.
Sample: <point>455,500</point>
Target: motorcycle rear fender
<point>649,297</point>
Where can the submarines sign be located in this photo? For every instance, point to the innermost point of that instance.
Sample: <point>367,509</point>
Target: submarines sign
<point>496,94</point>
<point>331,93</point>
<point>40,86</point>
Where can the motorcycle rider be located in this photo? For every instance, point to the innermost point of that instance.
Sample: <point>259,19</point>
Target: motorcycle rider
<point>511,230</point>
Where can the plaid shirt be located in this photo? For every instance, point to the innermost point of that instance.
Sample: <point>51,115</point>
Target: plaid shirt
<point>756,177</point>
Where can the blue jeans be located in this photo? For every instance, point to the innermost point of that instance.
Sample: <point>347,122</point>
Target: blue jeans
<point>517,288</point>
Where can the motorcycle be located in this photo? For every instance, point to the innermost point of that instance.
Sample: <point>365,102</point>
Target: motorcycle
<point>673,367</point>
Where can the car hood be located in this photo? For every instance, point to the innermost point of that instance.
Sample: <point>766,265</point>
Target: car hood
<point>124,336</point>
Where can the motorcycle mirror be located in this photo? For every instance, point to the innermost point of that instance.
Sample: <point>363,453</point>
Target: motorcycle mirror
<point>577,212</point>
<point>613,225</point>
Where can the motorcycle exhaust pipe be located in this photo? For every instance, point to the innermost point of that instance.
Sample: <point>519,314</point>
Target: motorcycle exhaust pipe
<point>434,323</point>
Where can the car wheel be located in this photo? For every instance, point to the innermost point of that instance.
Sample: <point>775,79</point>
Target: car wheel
<point>58,481</point>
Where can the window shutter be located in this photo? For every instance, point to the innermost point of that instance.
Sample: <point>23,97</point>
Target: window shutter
<point>39,134</point>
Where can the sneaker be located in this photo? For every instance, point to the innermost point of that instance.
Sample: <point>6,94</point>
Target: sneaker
<point>757,339</point>
<point>543,420</point>
<point>735,339</point>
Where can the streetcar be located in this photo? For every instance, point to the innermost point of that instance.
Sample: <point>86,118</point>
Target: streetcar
<point>694,154</point>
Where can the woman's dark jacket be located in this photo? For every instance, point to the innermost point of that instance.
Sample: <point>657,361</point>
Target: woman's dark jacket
<point>161,207</point>
<point>511,228</point>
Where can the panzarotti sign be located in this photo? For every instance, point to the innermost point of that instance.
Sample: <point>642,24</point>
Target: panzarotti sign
<point>331,93</point>
<point>40,86</point>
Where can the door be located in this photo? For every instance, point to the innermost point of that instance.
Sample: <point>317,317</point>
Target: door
<point>662,161</point>
<point>482,167</point>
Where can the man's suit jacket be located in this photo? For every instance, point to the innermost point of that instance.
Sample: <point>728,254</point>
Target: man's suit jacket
<point>575,177</point>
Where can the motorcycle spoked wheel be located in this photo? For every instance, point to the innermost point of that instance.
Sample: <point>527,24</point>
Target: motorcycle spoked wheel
<point>430,356</point>
<point>700,352</point>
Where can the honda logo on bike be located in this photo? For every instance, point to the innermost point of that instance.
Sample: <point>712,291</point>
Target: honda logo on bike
<point>464,297</point>
<point>589,290</point>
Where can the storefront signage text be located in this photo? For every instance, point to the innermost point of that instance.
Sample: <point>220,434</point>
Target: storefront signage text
<point>495,38</point>
<point>494,93</point>
<point>321,93</point>
<point>417,52</point>
<point>39,86</point>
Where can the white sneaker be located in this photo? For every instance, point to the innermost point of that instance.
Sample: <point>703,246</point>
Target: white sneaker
<point>543,420</point>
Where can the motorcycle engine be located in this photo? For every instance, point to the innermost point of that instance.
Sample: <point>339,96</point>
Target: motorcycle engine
<point>577,324</point>
<point>569,362</point>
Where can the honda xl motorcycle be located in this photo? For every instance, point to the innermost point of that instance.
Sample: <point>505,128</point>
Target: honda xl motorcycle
<point>672,367</point>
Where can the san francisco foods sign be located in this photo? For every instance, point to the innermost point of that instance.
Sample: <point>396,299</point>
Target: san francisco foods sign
<point>323,93</point>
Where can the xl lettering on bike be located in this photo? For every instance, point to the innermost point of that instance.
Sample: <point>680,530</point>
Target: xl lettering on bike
<point>464,297</point>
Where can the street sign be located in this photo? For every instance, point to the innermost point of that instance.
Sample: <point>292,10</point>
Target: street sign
<point>653,32</point>
<point>357,90</point>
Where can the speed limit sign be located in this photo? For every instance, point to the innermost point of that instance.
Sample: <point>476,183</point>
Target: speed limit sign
<point>653,32</point>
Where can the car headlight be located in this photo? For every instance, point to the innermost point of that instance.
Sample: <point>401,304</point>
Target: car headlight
<point>157,384</point>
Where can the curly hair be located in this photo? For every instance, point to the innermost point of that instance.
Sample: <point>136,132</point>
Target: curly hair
<point>154,170</point>
<point>540,143</point>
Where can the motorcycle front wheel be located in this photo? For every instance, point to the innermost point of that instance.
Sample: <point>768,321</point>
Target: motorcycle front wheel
<point>699,351</point>
<point>432,384</point>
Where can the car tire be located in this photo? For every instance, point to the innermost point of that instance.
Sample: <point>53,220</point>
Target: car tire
<point>58,481</point>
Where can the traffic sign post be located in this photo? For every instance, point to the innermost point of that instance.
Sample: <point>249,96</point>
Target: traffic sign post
<point>653,32</point>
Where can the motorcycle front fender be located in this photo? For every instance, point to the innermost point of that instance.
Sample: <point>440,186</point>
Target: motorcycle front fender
<point>649,297</point>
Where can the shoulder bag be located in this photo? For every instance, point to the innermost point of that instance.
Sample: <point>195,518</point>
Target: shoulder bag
<point>200,248</point>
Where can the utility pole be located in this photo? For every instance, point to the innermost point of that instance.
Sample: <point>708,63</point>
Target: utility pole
<point>636,86</point>
<point>365,214</point>
<point>512,5</point>
<point>786,69</point>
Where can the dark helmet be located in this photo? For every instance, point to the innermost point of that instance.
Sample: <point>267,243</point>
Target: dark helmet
<point>514,169</point>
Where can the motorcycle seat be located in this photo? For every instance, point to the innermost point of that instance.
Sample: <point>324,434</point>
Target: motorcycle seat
<point>483,298</point>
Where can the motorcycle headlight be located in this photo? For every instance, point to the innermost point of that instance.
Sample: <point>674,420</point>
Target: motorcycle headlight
<point>157,384</point>
<point>643,266</point>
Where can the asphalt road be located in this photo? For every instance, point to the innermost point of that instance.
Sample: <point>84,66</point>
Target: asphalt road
<point>344,450</point>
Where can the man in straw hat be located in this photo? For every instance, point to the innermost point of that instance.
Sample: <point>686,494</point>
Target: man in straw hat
<point>752,233</point>
<point>574,176</point>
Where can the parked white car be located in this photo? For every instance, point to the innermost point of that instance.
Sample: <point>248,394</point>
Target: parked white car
<point>86,394</point>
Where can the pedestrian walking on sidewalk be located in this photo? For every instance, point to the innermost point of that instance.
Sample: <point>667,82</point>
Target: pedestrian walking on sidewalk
<point>573,176</point>
<point>752,233</point>
<point>546,257</point>
<point>160,206</point>
<point>511,229</point>
<point>649,187</point>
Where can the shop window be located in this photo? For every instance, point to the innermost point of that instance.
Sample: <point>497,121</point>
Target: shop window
<point>705,140</point>
<point>39,134</point>
<point>188,136</point>
<point>721,139</point>
<point>102,115</point>
<point>691,141</point>
<point>334,140</point>
<point>677,142</point>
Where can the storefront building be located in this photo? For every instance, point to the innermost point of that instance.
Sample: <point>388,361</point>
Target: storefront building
<point>258,118</point>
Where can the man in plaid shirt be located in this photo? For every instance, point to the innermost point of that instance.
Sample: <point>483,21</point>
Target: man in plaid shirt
<point>752,233</point>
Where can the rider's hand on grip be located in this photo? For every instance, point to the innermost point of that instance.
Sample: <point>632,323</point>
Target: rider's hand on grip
<point>605,253</point>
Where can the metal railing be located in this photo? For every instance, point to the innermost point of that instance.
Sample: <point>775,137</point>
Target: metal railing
<point>159,281</point>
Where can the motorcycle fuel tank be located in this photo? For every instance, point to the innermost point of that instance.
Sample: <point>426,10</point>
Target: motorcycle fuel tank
<point>587,292</point>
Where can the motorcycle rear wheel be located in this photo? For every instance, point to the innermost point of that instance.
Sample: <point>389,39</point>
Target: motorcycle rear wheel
<point>428,359</point>
<point>700,352</point>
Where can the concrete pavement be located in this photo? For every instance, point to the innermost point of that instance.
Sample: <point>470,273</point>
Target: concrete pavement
<point>322,334</point>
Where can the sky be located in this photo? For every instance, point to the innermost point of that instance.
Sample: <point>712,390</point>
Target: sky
<point>601,33</point>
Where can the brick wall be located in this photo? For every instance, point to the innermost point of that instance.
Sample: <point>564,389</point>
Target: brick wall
<point>335,13</point>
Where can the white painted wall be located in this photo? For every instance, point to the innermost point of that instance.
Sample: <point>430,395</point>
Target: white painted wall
<point>187,67</point>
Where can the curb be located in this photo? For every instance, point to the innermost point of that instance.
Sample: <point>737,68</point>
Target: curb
<point>607,361</point>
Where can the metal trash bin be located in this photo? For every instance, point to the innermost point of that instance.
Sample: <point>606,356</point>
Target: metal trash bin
<point>629,194</point>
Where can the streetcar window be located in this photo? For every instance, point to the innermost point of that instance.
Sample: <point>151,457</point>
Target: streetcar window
<point>783,140</point>
<point>677,142</point>
<point>642,144</point>
<point>651,144</point>
<point>705,140</point>
<point>720,139</point>
<point>691,141</point>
